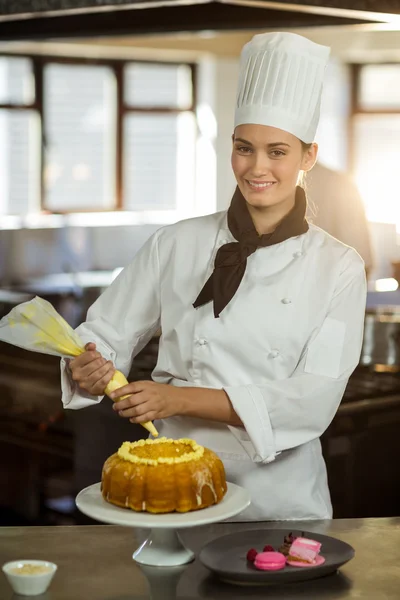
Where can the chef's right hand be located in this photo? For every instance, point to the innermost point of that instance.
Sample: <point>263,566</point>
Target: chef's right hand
<point>91,371</point>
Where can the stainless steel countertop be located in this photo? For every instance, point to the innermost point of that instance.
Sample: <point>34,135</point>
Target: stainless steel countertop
<point>95,563</point>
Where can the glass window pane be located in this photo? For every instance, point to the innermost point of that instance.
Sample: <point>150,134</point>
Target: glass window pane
<point>380,87</point>
<point>19,162</point>
<point>150,161</point>
<point>154,85</point>
<point>159,161</point>
<point>80,137</point>
<point>16,81</point>
<point>377,155</point>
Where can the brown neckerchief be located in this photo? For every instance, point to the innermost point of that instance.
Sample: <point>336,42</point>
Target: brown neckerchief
<point>231,259</point>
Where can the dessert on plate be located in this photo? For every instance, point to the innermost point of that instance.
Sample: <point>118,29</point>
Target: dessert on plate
<point>163,476</point>
<point>270,561</point>
<point>305,553</point>
<point>296,551</point>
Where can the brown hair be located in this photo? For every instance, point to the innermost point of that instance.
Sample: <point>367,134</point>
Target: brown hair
<point>305,147</point>
<point>303,180</point>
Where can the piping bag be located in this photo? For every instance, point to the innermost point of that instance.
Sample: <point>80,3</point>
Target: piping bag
<point>37,326</point>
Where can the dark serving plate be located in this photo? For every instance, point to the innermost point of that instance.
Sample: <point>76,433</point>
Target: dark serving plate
<point>226,557</point>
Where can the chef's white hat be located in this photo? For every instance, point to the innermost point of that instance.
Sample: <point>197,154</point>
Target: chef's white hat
<point>280,83</point>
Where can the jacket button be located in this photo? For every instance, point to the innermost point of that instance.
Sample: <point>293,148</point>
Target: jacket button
<point>202,342</point>
<point>298,254</point>
<point>274,354</point>
<point>286,301</point>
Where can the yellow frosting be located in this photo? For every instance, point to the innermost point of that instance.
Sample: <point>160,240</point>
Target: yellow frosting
<point>124,452</point>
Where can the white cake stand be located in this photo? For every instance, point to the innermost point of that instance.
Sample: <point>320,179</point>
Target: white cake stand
<point>163,547</point>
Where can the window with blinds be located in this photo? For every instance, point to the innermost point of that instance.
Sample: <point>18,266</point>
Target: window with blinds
<point>96,136</point>
<point>158,136</point>
<point>19,136</point>
<point>79,137</point>
<point>376,139</point>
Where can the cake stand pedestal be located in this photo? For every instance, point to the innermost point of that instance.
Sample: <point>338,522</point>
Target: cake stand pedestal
<point>163,583</point>
<point>163,546</point>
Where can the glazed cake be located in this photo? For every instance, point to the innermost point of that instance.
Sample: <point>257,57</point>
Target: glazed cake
<point>163,476</point>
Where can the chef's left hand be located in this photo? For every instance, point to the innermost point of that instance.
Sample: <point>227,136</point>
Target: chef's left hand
<point>148,401</point>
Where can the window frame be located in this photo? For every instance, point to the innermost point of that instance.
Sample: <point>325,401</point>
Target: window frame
<point>356,108</point>
<point>122,109</point>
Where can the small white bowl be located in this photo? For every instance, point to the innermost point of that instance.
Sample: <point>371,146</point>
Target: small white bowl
<point>29,584</point>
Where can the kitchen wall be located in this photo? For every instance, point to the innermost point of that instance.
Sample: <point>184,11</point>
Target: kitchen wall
<point>30,253</point>
<point>227,71</point>
<point>34,252</point>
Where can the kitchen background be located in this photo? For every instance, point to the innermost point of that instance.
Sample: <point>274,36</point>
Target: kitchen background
<point>105,138</point>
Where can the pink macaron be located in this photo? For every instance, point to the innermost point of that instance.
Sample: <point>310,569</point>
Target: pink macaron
<point>270,561</point>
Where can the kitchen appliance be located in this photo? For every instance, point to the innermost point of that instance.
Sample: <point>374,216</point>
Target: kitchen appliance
<point>381,344</point>
<point>361,444</point>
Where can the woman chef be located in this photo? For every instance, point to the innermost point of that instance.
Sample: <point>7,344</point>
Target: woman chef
<point>261,314</point>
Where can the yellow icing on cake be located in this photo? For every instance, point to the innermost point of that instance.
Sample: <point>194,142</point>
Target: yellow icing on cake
<point>195,453</point>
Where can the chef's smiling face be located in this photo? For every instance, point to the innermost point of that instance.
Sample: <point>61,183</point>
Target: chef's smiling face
<point>266,162</point>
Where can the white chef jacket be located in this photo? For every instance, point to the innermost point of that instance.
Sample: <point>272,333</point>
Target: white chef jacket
<point>283,350</point>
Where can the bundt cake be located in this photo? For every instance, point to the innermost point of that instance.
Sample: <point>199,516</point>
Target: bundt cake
<point>163,475</point>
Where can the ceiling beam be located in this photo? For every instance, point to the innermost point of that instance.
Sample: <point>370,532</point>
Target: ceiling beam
<point>27,8</point>
<point>368,6</point>
<point>166,19</point>
<point>387,11</point>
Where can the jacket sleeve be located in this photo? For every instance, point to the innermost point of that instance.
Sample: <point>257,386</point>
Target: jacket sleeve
<point>286,413</point>
<point>121,321</point>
